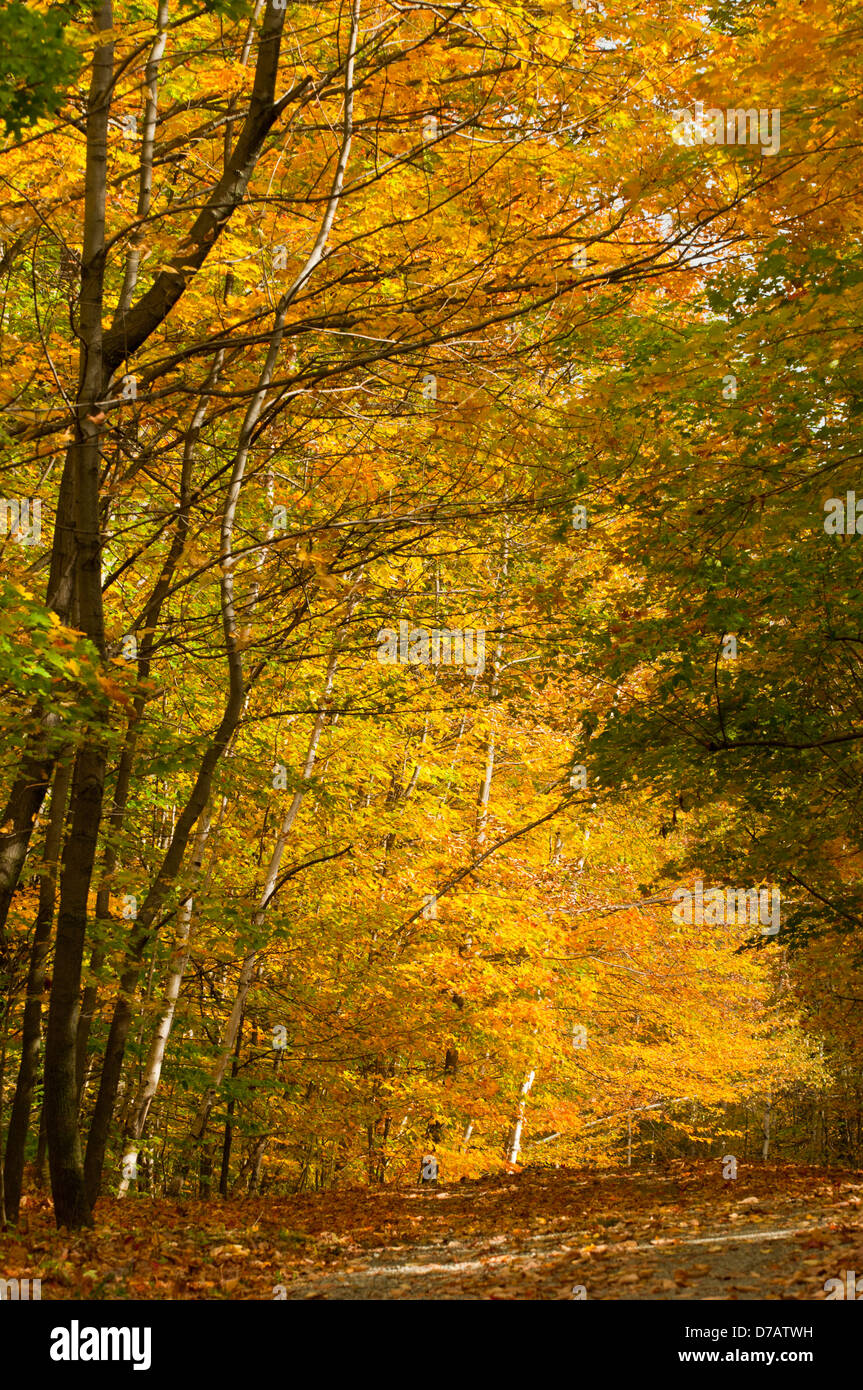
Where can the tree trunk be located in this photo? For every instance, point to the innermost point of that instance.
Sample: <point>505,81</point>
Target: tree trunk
<point>71,1206</point>
<point>513,1147</point>
<point>31,1028</point>
<point>229,1121</point>
<point>765,1148</point>
<point>257,1164</point>
<point>4,1025</point>
<point>41,1152</point>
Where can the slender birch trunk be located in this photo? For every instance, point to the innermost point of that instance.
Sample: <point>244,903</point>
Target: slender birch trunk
<point>513,1147</point>
<point>765,1148</point>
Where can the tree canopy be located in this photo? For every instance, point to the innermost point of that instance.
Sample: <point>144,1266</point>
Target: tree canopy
<point>431,440</point>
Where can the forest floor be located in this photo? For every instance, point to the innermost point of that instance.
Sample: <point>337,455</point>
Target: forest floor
<point>776,1232</point>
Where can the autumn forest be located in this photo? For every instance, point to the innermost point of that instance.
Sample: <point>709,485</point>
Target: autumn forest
<point>431,634</point>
